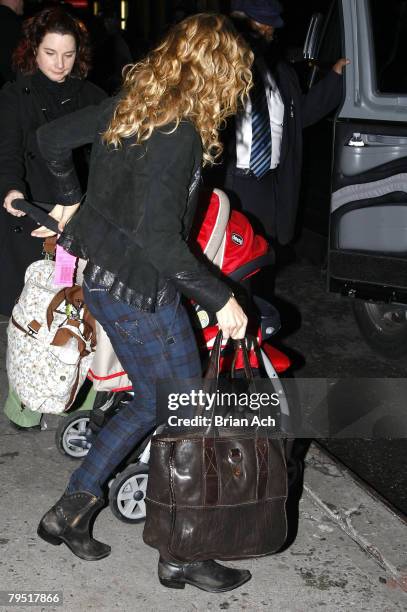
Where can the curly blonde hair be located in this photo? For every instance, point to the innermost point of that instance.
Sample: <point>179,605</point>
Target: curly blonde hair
<point>200,71</point>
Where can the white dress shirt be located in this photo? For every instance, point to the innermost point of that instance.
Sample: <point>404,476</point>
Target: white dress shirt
<point>244,122</point>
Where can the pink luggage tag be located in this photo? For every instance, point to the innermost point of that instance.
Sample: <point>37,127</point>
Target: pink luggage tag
<point>65,265</point>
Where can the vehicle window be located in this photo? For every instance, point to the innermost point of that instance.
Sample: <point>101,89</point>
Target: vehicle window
<point>331,45</point>
<point>330,49</point>
<point>389,28</point>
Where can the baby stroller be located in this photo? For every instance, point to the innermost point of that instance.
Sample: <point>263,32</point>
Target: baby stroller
<point>227,239</point>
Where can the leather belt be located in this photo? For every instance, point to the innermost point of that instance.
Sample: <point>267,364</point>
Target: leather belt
<point>246,172</point>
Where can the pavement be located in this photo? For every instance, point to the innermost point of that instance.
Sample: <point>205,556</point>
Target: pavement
<point>349,552</point>
<point>320,334</point>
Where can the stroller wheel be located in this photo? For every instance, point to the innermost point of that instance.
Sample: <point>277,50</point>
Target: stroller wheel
<point>73,434</point>
<point>127,493</point>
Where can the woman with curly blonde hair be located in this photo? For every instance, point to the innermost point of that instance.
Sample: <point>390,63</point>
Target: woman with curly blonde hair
<point>149,146</point>
<point>200,76</point>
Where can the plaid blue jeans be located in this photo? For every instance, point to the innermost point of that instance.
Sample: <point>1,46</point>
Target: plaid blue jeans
<point>150,346</point>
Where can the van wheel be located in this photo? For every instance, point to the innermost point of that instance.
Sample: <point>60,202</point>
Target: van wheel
<point>383,326</point>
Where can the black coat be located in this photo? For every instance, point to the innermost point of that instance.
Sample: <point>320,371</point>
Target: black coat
<point>22,168</point>
<point>301,110</point>
<point>138,212</point>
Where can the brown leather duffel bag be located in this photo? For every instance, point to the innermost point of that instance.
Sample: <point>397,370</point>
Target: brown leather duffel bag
<point>216,497</point>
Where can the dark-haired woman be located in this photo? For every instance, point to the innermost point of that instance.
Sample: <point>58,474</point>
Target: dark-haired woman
<point>52,61</point>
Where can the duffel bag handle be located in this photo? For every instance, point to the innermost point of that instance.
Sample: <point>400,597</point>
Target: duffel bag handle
<point>74,295</point>
<point>247,368</point>
<point>212,374</point>
<point>66,332</point>
<point>214,361</point>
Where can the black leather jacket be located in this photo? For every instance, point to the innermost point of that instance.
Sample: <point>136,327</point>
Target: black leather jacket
<point>139,208</point>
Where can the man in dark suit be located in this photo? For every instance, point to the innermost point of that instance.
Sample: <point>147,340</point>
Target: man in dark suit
<point>263,144</point>
<point>10,28</point>
<point>263,151</point>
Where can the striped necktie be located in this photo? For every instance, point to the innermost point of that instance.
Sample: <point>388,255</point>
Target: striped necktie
<point>260,156</point>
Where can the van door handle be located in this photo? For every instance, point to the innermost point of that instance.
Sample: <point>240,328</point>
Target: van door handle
<point>377,140</point>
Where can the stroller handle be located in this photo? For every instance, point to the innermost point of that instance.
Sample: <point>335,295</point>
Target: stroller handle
<point>37,213</point>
